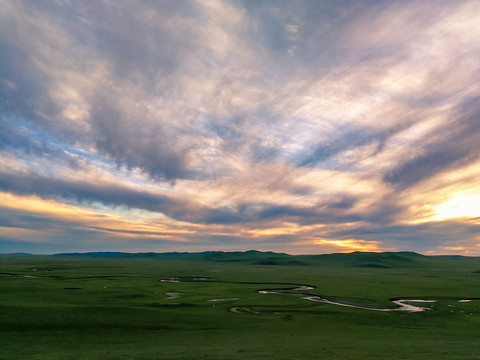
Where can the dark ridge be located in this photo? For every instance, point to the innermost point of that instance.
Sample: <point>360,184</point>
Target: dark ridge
<point>278,261</point>
<point>371,259</point>
<point>94,254</point>
<point>253,257</point>
<point>19,254</point>
<point>450,256</point>
<point>372,266</point>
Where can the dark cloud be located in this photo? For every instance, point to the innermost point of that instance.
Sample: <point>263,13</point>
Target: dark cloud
<point>36,57</point>
<point>23,87</point>
<point>346,140</point>
<point>238,138</point>
<point>287,212</point>
<point>450,146</point>
<point>423,237</point>
<point>226,215</point>
<point>26,220</point>
<point>324,213</point>
<point>83,191</point>
<point>176,208</point>
<point>130,139</point>
<point>352,137</point>
<point>139,49</point>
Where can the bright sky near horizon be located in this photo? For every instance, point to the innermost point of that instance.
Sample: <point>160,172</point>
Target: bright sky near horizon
<point>292,126</point>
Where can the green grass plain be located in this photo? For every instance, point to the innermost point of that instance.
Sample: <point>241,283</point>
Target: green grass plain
<point>119,308</point>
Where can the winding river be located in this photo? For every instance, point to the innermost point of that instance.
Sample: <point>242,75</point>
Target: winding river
<point>403,304</point>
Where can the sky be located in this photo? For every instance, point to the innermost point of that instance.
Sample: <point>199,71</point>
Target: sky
<point>303,127</point>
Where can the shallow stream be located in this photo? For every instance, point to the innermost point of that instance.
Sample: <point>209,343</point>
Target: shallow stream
<point>406,305</point>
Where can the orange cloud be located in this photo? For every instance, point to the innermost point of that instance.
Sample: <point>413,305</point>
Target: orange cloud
<point>348,245</point>
<point>85,218</point>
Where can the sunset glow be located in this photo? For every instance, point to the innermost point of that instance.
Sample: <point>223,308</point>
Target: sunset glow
<point>460,205</point>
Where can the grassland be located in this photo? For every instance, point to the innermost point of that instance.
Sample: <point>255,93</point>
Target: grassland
<point>159,307</point>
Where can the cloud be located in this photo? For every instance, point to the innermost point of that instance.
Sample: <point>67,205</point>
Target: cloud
<point>31,219</point>
<point>83,191</point>
<point>245,119</point>
<point>451,145</point>
<point>135,140</point>
<point>424,237</point>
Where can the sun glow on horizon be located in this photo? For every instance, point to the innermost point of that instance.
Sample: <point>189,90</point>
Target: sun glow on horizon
<point>460,205</point>
<point>349,245</point>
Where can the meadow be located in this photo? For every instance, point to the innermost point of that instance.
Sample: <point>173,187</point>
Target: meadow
<point>208,306</point>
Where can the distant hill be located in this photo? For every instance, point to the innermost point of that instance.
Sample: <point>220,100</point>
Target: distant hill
<point>255,257</point>
<point>252,256</point>
<point>18,254</point>
<point>370,259</point>
<point>150,255</point>
<point>268,258</point>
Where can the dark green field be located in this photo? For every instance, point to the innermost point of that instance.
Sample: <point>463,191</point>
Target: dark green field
<point>155,306</point>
